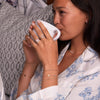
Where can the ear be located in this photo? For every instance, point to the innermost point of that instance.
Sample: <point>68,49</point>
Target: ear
<point>86,19</point>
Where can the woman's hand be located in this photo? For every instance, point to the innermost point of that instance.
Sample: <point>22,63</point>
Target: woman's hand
<point>30,53</point>
<point>45,46</point>
<point>29,67</point>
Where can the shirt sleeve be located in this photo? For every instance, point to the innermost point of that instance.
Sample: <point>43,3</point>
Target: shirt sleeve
<point>35,93</point>
<point>86,89</point>
<point>49,93</point>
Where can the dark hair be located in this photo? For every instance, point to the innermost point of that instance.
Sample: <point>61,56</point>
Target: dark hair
<point>92,31</point>
<point>49,1</point>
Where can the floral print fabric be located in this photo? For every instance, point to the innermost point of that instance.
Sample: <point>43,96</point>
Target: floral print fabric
<point>80,81</point>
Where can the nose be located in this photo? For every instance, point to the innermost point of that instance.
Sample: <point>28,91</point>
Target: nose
<point>56,19</point>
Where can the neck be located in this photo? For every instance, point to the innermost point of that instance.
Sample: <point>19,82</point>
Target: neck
<point>77,47</point>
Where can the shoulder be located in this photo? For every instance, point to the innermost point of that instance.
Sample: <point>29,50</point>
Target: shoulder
<point>91,60</point>
<point>88,63</point>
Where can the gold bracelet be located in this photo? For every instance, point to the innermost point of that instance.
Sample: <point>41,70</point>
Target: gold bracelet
<point>50,78</point>
<point>49,75</point>
<point>51,70</point>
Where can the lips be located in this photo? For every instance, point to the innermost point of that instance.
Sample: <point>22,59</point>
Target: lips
<point>60,30</point>
<point>59,27</point>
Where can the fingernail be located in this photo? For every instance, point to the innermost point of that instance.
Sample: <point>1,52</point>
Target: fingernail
<point>33,24</point>
<point>29,29</point>
<point>38,21</point>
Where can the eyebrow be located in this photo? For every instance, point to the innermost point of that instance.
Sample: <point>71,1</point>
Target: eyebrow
<point>59,8</point>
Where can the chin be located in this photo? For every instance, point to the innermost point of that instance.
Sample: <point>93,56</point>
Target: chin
<point>62,39</point>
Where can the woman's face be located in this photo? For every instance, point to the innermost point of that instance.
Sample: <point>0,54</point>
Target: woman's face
<point>69,19</point>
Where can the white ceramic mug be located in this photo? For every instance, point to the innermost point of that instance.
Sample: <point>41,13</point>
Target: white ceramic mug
<point>51,29</point>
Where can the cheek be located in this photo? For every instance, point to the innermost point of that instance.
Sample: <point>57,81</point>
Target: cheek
<point>73,25</point>
<point>79,22</point>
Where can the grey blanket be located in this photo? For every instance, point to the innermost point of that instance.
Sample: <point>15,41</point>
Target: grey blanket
<point>13,27</point>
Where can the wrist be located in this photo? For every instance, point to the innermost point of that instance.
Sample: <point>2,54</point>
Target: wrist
<point>50,78</point>
<point>48,74</point>
<point>49,67</point>
<point>29,69</point>
<point>30,63</point>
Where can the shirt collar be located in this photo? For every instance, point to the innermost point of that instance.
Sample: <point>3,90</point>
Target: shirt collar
<point>87,55</point>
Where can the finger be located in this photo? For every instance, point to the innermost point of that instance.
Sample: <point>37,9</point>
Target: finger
<point>26,39</point>
<point>33,43</point>
<point>44,30</point>
<point>38,31</point>
<point>55,34</point>
<point>34,36</point>
<point>25,44</point>
<point>31,25</point>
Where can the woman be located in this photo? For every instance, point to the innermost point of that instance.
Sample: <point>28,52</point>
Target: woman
<point>75,73</point>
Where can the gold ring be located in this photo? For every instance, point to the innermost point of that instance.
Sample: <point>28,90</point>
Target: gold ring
<point>37,40</point>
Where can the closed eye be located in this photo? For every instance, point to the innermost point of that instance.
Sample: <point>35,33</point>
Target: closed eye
<point>62,12</point>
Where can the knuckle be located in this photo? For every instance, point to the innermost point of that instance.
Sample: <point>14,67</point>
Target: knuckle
<point>26,36</point>
<point>41,44</point>
<point>45,30</point>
